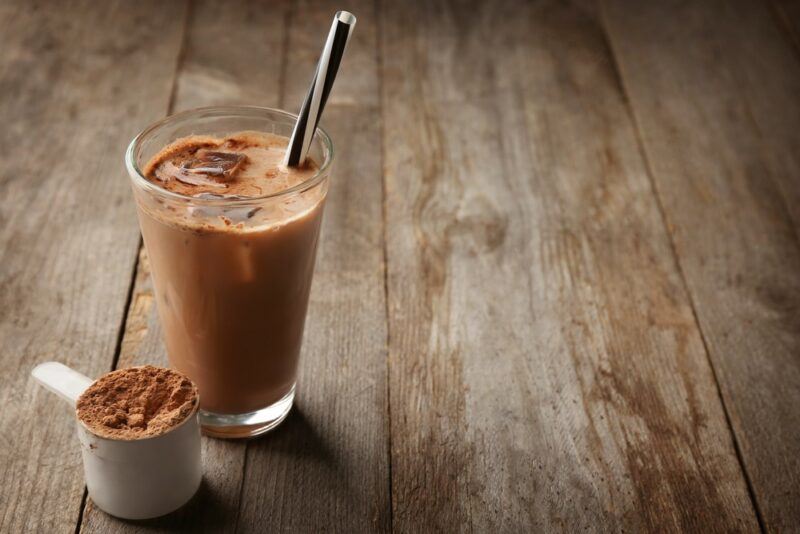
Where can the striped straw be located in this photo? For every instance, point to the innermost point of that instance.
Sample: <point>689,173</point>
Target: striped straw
<point>307,121</point>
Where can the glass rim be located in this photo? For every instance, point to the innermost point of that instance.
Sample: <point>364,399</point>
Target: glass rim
<point>139,179</point>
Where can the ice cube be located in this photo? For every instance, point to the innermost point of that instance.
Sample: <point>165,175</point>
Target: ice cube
<point>207,211</point>
<point>241,214</point>
<point>211,196</point>
<point>211,167</point>
<point>232,213</point>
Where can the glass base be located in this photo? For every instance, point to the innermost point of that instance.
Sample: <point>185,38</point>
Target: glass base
<point>246,425</point>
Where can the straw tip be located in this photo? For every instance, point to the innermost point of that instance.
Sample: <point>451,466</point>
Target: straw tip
<point>345,17</point>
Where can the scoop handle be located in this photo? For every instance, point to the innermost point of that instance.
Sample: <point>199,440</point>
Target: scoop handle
<point>65,382</point>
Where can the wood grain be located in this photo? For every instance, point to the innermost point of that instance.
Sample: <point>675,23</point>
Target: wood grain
<point>729,192</point>
<point>590,221</point>
<point>67,230</point>
<point>326,469</point>
<point>233,54</point>
<point>546,371</point>
<point>788,14</point>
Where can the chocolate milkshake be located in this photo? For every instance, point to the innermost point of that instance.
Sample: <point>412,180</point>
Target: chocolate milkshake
<point>231,235</point>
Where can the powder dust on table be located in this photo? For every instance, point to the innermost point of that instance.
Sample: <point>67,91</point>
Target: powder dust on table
<point>137,402</point>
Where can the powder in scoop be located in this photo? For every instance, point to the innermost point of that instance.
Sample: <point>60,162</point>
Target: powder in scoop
<point>137,402</point>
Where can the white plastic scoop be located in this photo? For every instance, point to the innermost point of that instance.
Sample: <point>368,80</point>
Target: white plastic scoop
<point>65,382</point>
<point>131,479</point>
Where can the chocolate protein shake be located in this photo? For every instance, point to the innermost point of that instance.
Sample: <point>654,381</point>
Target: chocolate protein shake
<point>231,236</point>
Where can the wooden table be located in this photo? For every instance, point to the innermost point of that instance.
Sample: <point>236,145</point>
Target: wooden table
<point>558,287</point>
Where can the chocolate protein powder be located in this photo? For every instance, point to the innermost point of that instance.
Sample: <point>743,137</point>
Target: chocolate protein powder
<point>137,402</point>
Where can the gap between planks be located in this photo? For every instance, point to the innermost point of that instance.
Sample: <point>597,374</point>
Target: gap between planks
<point>136,260</point>
<point>385,252</point>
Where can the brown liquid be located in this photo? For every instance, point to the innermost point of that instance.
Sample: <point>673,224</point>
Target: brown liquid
<point>232,282</point>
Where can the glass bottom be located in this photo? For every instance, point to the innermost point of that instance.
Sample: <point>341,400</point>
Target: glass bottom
<point>246,425</point>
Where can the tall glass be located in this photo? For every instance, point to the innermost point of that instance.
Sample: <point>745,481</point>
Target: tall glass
<point>232,276</point>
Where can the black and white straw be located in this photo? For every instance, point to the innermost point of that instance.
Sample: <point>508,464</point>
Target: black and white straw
<point>328,65</point>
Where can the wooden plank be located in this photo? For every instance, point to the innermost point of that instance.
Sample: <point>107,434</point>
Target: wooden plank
<point>234,54</point>
<point>546,370</point>
<point>714,87</point>
<point>213,71</point>
<point>327,468</point>
<point>67,233</point>
<point>788,15</point>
